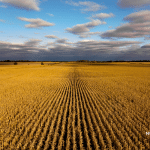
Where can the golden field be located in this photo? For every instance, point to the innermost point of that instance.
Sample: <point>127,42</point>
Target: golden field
<point>99,106</point>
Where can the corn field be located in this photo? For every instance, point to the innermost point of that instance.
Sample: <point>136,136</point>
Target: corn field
<point>75,106</point>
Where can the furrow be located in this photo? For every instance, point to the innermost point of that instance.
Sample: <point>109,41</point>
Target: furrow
<point>62,113</point>
<point>54,121</point>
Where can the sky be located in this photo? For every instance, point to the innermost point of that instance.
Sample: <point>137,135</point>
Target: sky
<point>70,30</point>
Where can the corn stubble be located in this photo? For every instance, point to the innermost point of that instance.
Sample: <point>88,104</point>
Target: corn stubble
<point>75,107</point>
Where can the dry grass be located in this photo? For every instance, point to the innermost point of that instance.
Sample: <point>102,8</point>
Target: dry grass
<point>75,106</point>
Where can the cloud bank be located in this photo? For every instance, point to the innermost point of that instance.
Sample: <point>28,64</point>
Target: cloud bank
<point>62,49</point>
<point>33,42</point>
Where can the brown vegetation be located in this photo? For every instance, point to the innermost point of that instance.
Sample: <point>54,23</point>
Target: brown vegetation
<point>75,107</point>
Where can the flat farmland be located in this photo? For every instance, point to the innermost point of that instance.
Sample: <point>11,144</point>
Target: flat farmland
<point>87,106</point>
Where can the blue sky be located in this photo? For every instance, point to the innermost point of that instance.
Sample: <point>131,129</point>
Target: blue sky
<point>71,30</point>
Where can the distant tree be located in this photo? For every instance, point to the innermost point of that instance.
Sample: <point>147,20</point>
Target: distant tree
<point>7,61</point>
<point>82,60</point>
<point>93,61</point>
<point>15,63</point>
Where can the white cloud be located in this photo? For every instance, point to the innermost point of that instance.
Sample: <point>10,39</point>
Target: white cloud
<point>83,29</point>
<point>50,14</point>
<point>138,26</point>
<point>103,15</point>
<point>147,38</point>
<point>1,20</point>
<point>88,34</point>
<point>88,5</point>
<point>138,17</point>
<point>79,28</point>
<point>36,23</point>
<point>133,3</point>
<point>3,6</point>
<point>70,2</point>
<point>36,33</point>
<point>64,40</point>
<point>20,36</point>
<point>51,36</point>
<point>33,42</point>
<point>25,4</point>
